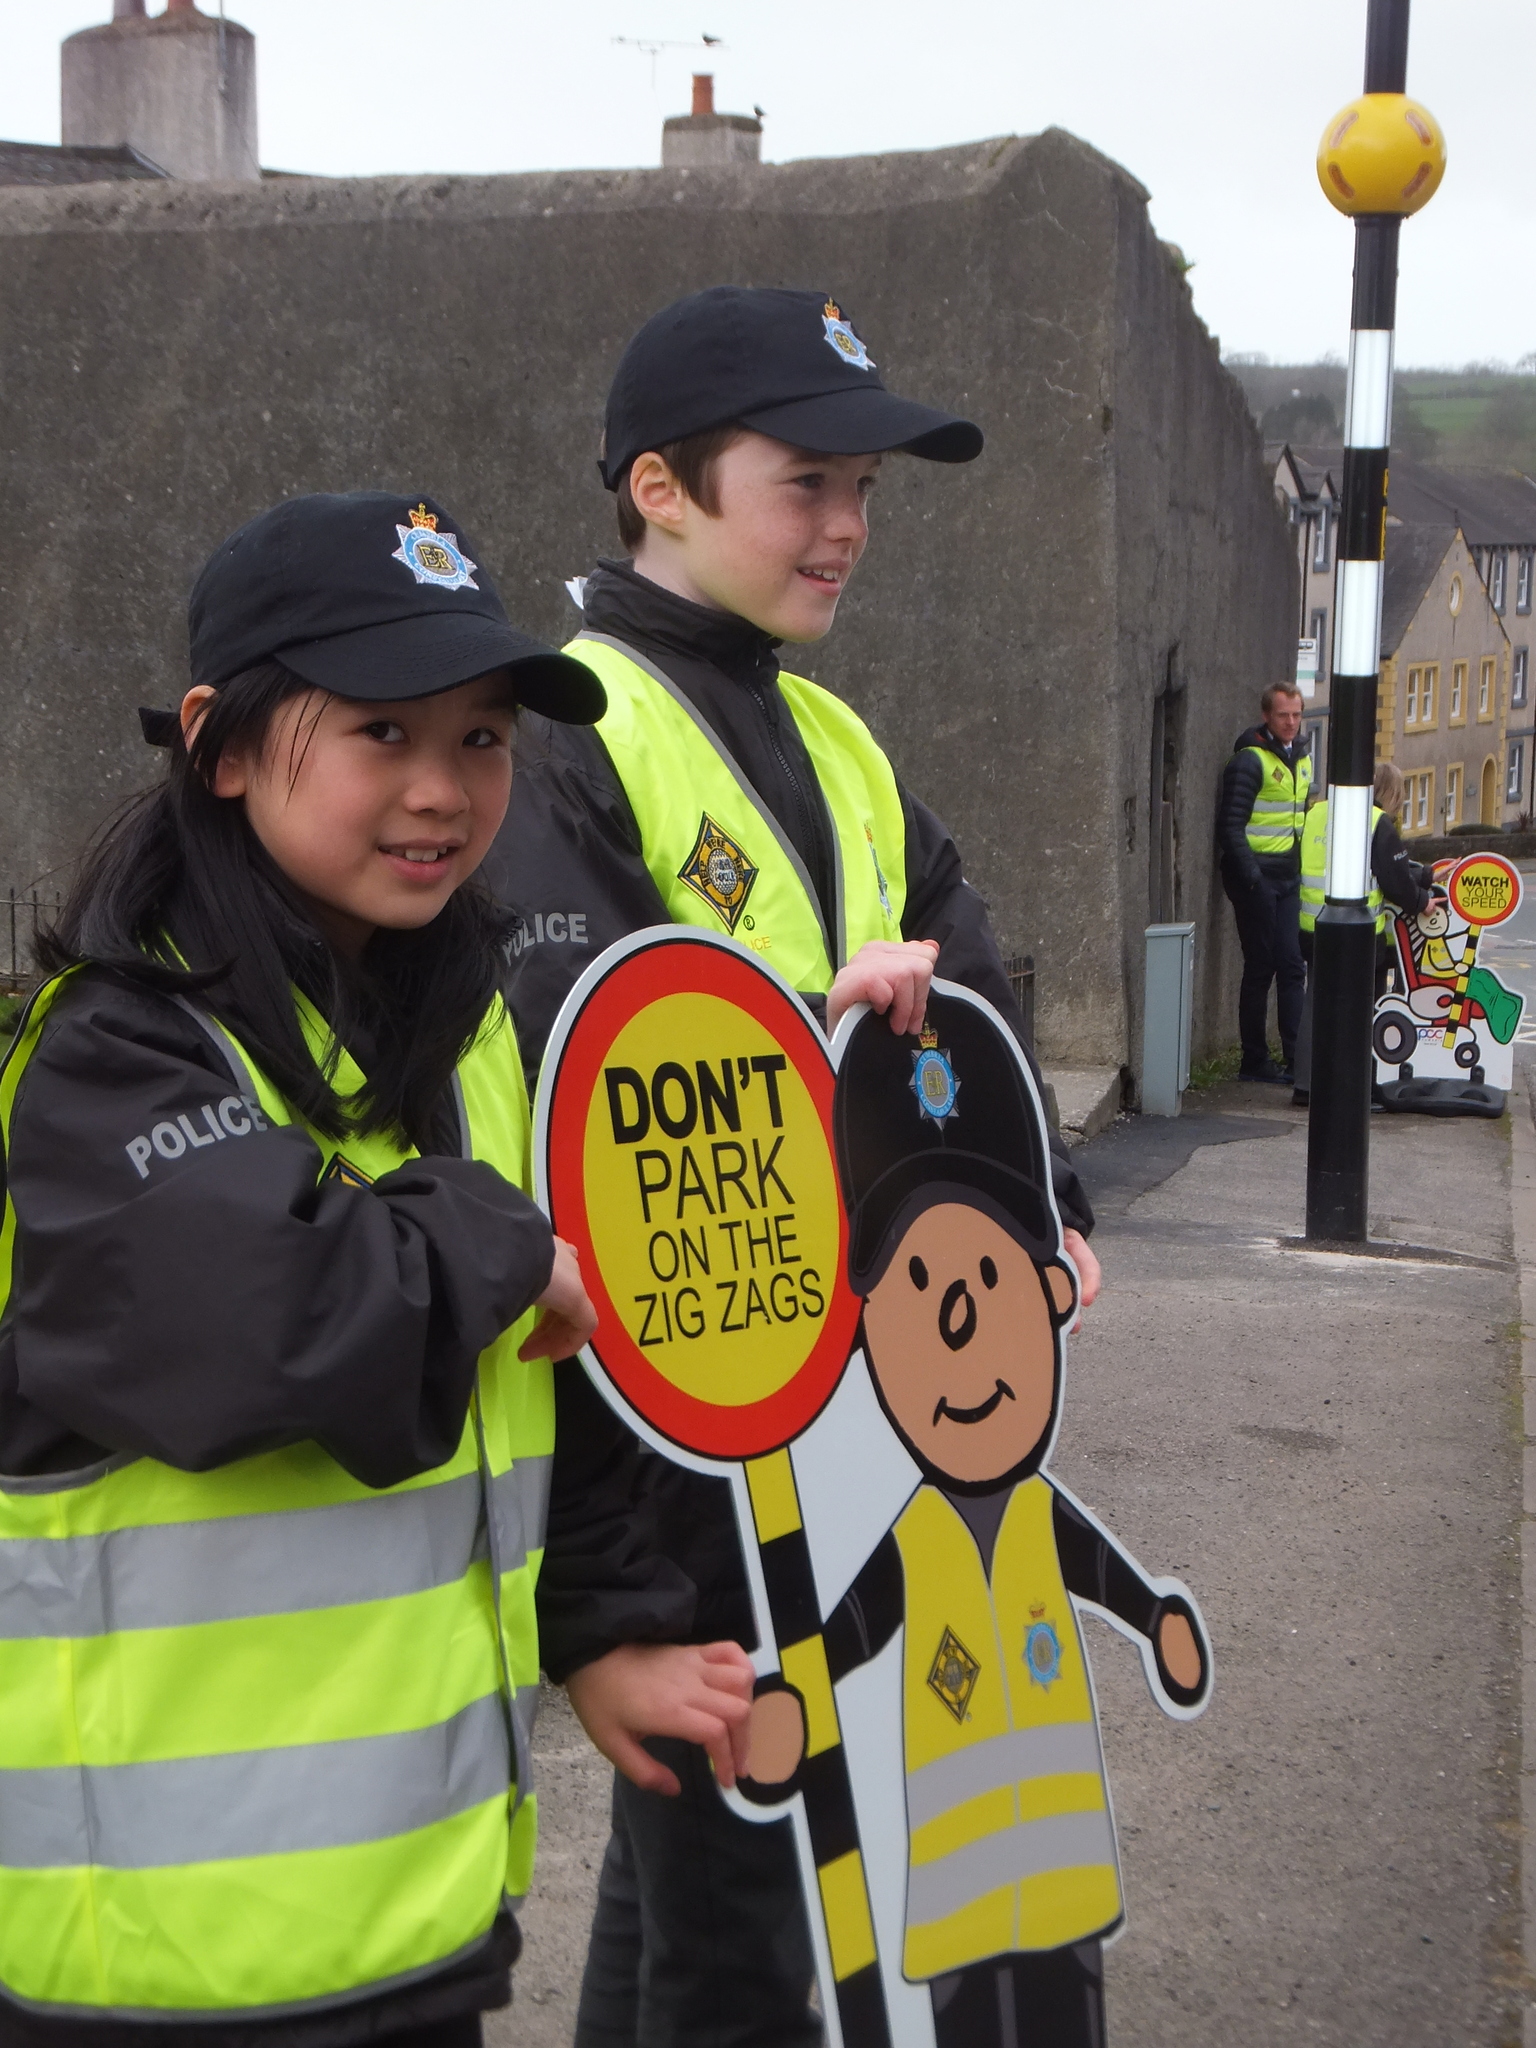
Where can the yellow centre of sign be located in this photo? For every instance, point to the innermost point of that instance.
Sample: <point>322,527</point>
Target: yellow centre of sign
<point>1480,891</point>
<point>712,1199</point>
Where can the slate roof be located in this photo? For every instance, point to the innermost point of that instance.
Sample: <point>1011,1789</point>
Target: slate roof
<point>48,163</point>
<point>1414,553</point>
<point>1493,507</point>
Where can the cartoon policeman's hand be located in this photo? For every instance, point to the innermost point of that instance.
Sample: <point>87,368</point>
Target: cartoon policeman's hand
<point>1182,1657</point>
<point>776,1738</point>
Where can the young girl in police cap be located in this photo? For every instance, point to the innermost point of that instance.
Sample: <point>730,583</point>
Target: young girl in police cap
<point>276,1412</point>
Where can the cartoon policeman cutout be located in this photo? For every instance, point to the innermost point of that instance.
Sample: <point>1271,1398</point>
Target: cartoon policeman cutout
<point>955,1246</point>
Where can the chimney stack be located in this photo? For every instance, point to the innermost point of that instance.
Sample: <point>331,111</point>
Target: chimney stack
<point>178,87</point>
<point>692,141</point>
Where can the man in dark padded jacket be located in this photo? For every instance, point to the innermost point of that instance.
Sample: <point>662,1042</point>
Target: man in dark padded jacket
<point>1259,818</point>
<point>700,1939</point>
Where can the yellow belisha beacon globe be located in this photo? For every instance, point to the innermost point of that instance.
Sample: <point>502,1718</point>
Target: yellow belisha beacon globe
<point>1383,153</point>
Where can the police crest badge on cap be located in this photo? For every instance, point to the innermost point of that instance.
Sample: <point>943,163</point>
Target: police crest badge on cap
<point>840,336</point>
<point>433,557</point>
<point>933,1079</point>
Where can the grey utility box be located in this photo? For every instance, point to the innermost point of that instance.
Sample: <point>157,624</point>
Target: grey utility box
<point>1169,1017</point>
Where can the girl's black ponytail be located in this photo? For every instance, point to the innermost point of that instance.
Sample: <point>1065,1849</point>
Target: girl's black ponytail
<point>178,894</point>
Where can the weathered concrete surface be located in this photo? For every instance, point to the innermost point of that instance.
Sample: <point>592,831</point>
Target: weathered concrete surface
<point>1326,1449</point>
<point>177,356</point>
<point>1087,1099</point>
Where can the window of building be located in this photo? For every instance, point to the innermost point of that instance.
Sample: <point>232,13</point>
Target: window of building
<point>1320,635</point>
<point>1523,581</point>
<point>1453,795</point>
<point>1411,703</point>
<point>1485,688</point>
<point>1458,692</point>
<point>1518,671</point>
<point>1514,782</point>
<point>1498,561</point>
<point>1427,696</point>
<point>1320,538</point>
<point>1454,599</point>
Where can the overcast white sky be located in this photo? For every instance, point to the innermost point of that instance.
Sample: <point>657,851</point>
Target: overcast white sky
<point>1215,105</point>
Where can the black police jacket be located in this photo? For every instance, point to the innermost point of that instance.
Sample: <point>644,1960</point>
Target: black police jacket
<point>569,861</point>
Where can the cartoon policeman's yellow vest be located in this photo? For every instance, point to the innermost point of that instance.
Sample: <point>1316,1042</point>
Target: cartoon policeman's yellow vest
<point>718,856</point>
<point>1011,1845</point>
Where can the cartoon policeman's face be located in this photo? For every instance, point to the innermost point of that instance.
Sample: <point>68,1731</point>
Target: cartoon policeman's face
<point>961,1338</point>
<point>1434,920</point>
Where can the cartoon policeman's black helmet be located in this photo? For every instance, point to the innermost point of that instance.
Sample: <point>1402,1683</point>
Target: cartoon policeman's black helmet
<point>943,1116</point>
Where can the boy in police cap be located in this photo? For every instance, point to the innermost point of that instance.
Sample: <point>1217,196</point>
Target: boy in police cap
<point>744,431</point>
<point>955,1246</point>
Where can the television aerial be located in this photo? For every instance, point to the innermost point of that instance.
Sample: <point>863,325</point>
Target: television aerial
<point>652,46</point>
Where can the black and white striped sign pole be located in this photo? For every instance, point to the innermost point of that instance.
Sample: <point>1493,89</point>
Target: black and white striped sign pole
<point>1373,132</point>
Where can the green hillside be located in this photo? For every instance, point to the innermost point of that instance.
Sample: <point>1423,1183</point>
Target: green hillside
<point>1476,418</point>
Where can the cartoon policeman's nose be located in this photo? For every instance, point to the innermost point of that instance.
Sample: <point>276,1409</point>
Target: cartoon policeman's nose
<point>957,1305</point>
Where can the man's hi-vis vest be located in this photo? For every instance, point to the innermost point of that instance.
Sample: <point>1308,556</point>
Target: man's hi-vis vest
<point>1314,869</point>
<point>264,1732</point>
<point>715,851</point>
<point>1279,809</point>
<point>1011,1841</point>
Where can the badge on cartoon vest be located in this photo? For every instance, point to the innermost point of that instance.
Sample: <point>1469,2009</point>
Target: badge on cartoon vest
<point>840,336</point>
<point>433,557</point>
<point>719,871</point>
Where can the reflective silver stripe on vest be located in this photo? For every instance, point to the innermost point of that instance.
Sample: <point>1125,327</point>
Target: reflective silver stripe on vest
<point>520,1500</point>
<point>1031,1848</point>
<point>265,1802</point>
<point>177,1574</point>
<point>1002,1760</point>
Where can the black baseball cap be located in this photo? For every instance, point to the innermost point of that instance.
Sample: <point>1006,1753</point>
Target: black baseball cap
<point>785,363</point>
<point>371,596</point>
<point>945,1117</point>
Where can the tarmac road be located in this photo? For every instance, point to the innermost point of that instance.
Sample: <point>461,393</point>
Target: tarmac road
<point>1326,1448</point>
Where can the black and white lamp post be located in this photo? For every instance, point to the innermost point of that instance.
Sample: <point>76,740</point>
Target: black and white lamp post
<point>1380,159</point>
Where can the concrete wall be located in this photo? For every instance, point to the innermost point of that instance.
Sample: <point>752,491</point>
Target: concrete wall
<point>174,86</point>
<point>179,357</point>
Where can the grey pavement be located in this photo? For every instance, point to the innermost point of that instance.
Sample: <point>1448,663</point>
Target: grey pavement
<point>1327,1448</point>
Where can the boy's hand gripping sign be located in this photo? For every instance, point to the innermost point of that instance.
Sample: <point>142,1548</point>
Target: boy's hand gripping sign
<point>838,1278</point>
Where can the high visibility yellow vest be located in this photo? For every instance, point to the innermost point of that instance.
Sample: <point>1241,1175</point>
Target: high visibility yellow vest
<point>1314,869</point>
<point>1279,809</point>
<point>1011,1845</point>
<point>264,1732</point>
<point>717,854</point>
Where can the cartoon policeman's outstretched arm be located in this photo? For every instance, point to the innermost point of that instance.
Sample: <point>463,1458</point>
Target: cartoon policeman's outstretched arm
<point>1094,1569</point>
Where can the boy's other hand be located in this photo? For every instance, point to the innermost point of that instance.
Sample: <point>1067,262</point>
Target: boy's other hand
<point>891,977</point>
<point>569,1317</point>
<point>699,1692</point>
<point>1089,1272</point>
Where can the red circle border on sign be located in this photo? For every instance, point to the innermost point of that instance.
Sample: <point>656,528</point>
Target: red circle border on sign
<point>691,967</point>
<point>1516,894</point>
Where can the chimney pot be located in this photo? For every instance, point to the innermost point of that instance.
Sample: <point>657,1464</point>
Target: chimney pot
<point>703,93</point>
<point>127,10</point>
<point>181,6</point>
